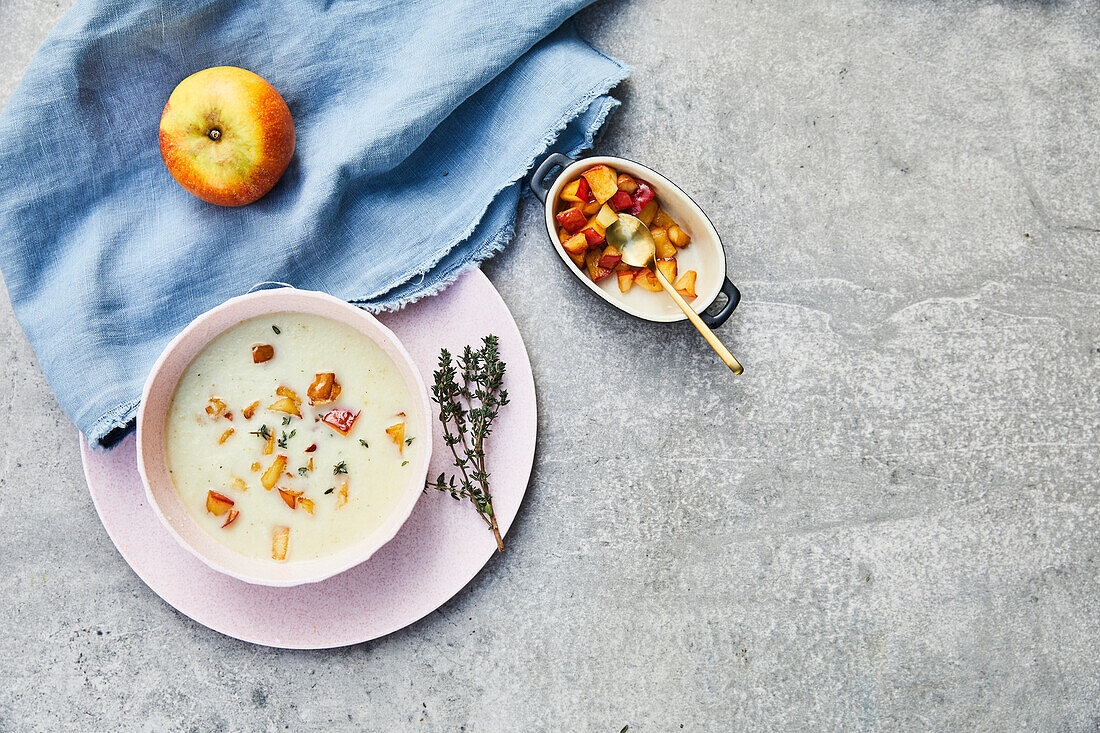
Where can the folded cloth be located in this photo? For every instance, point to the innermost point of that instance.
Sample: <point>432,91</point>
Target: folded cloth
<point>415,121</point>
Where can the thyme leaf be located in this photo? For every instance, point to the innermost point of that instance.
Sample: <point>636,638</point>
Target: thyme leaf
<point>264,432</point>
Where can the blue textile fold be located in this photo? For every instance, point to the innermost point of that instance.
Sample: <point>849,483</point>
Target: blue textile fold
<point>415,122</point>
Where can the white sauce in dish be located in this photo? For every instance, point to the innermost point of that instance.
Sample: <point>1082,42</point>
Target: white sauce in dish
<point>376,464</point>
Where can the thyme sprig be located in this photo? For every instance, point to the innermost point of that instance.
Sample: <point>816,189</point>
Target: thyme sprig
<point>469,392</point>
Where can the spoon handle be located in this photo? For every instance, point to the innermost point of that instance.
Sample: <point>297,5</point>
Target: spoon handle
<point>696,321</point>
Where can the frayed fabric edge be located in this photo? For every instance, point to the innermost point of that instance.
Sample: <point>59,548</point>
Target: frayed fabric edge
<point>598,94</point>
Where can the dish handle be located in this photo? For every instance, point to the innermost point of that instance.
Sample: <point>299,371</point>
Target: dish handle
<point>733,297</point>
<point>554,160</point>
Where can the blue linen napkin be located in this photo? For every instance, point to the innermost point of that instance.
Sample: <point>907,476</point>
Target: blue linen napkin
<point>415,121</point>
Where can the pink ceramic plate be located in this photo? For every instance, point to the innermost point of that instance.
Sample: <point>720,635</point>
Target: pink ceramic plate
<point>438,551</point>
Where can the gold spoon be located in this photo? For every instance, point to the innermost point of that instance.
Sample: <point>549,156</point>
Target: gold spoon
<point>631,237</point>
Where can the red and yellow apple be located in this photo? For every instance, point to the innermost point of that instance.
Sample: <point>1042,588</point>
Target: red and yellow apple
<point>226,135</point>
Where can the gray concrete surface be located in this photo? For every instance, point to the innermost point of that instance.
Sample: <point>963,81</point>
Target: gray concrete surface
<point>889,523</point>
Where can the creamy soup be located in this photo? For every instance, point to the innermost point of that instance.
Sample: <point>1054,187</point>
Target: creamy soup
<point>287,439</point>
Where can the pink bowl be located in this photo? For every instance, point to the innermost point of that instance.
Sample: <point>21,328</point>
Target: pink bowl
<point>157,397</point>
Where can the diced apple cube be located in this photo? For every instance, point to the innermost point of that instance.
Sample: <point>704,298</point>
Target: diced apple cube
<point>594,234</point>
<point>577,257</point>
<point>592,262</point>
<point>287,405</point>
<point>668,269</point>
<point>647,280</point>
<point>665,248</point>
<point>271,476</point>
<point>662,219</point>
<point>289,394</point>
<point>290,498</point>
<point>279,541</point>
<point>611,256</point>
<point>397,434</point>
<point>646,215</point>
<point>591,208</point>
<point>678,236</point>
<point>577,244</point>
<point>572,219</point>
<point>626,280</point>
<point>602,180</point>
<point>249,411</point>
<point>627,184</point>
<point>685,286</point>
<point>269,446</point>
<point>324,389</point>
<point>620,201</point>
<point>217,504</point>
<point>216,408</point>
<point>340,419</point>
<point>306,503</point>
<point>342,495</point>
<point>226,436</point>
<point>262,353</point>
<point>576,191</point>
<point>563,236</point>
<point>641,198</point>
<point>606,216</point>
<point>239,484</point>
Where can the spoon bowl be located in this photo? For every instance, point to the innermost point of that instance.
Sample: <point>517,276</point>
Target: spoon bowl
<point>633,238</point>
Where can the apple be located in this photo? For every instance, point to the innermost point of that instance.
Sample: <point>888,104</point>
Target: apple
<point>620,201</point>
<point>271,476</point>
<point>642,197</point>
<point>607,216</point>
<point>626,183</point>
<point>285,404</point>
<point>685,286</point>
<point>340,419</point>
<point>626,279</point>
<point>262,353</point>
<point>572,220</point>
<point>647,280</point>
<point>397,433</point>
<point>226,135</point>
<point>576,191</point>
<point>280,538</point>
<point>603,182</point>
<point>593,233</point>
<point>577,244</point>
<point>663,246</point>
<point>646,215</point>
<point>592,262</point>
<point>324,389</point>
<point>610,258</point>
<point>668,269</point>
<point>290,498</point>
<point>678,236</point>
<point>217,504</point>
